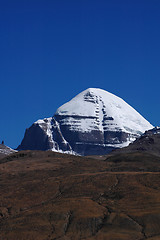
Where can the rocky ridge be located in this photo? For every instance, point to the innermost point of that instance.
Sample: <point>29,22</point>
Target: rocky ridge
<point>148,142</point>
<point>5,150</point>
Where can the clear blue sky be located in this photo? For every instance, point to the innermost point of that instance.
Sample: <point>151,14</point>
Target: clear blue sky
<point>50,50</point>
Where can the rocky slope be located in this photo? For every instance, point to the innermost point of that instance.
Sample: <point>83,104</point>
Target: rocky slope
<point>47,195</point>
<point>94,122</point>
<point>149,142</point>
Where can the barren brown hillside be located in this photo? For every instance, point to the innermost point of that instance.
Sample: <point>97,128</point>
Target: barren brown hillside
<point>51,196</point>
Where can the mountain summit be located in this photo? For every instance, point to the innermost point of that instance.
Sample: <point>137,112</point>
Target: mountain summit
<point>93,122</point>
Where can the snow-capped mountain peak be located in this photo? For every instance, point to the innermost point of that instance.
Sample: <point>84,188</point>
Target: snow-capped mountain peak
<point>93,122</point>
<point>104,108</point>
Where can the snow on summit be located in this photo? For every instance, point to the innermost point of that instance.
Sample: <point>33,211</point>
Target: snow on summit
<point>104,107</point>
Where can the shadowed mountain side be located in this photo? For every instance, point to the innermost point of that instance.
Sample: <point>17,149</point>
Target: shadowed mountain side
<point>47,195</point>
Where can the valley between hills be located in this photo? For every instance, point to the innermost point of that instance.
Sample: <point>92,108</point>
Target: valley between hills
<point>54,196</point>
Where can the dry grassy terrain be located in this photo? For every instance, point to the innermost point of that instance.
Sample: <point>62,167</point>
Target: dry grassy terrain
<point>51,196</point>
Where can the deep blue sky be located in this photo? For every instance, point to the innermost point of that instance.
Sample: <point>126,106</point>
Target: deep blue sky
<point>50,50</point>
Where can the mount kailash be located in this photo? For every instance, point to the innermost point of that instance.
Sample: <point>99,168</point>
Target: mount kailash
<point>92,123</point>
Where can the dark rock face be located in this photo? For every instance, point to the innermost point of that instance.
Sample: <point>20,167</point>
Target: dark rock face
<point>51,134</point>
<point>92,143</point>
<point>35,138</point>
